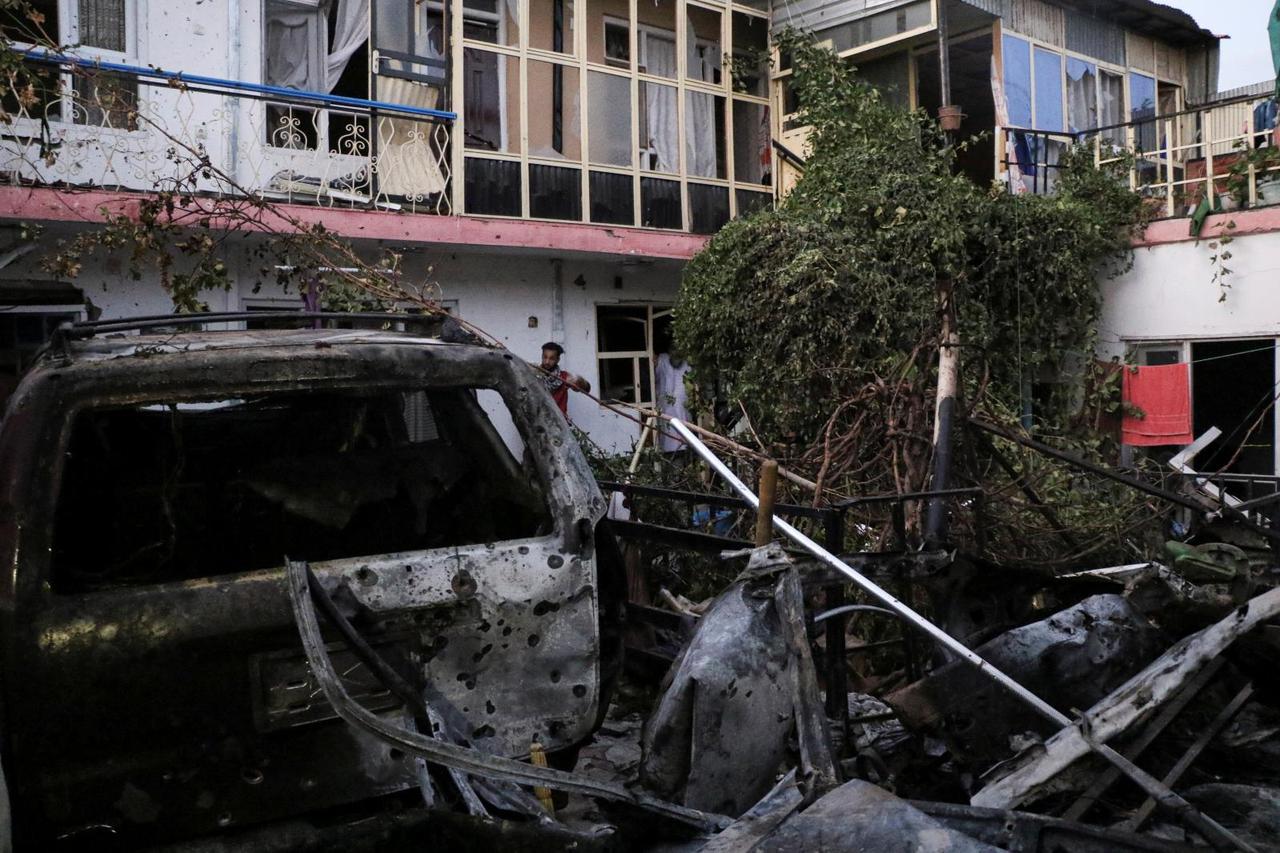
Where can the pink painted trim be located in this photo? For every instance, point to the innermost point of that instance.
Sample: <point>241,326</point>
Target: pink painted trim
<point>1257,221</point>
<point>46,204</point>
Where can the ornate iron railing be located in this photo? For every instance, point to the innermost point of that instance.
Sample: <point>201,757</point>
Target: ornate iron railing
<point>90,124</point>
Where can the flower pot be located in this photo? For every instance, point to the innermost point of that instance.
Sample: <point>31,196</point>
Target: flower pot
<point>949,117</point>
<point>1269,192</point>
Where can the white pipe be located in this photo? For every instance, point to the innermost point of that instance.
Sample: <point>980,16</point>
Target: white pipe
<point>871,588</point>
<point>1148,783</point>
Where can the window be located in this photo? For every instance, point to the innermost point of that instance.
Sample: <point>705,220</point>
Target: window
<point>150,491</point>
<point>625,347</point>
<point>23,331</point>
<point>617,44</point>
<point>102,29</point>
<point>551,25</point>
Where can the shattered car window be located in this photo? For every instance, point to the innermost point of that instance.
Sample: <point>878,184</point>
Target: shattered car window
<point>171,491</point>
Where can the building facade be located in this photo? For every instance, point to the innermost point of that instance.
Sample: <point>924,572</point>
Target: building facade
<point>549,166</point>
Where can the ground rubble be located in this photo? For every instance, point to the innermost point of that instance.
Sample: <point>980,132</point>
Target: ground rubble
<point>1170,742</point>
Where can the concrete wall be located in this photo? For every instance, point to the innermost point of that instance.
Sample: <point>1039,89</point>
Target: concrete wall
<point>1170,295</point>
<point>497,291</point>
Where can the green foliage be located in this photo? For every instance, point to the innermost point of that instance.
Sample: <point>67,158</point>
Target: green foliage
<point>796,309</point>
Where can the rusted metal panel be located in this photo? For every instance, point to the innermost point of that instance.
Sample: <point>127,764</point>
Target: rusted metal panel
<point>1095,38</point>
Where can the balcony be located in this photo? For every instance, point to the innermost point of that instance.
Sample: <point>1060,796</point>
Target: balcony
<point>122,128</point>
<point>1225,152</point>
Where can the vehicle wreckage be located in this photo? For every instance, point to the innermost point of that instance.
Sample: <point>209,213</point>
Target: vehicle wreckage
<point>183,508</point>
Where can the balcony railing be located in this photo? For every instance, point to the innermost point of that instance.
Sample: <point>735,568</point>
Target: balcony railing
<point>125,128</point>
<point>1226,153</point>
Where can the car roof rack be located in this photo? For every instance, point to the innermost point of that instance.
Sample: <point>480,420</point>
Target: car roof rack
<point>74,331</point>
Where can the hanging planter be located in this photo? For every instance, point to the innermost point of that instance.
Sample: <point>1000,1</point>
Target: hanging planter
<point>949,117</point>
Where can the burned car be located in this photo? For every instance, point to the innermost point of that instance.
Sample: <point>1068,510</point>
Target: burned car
<point>155,483</point>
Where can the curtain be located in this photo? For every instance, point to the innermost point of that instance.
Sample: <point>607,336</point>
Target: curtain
<point>290,35</point>
<point>352,31</point>
<point>700,134</point>
<point>660,104</point>
<point>1082,95</point>
<point>102,24</point>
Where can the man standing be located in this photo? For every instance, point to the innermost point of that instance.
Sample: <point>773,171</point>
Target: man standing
<point>672,396</point>
<point>558,381</point>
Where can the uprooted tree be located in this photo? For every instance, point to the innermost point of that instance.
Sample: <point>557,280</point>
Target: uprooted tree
<point>821,318</point>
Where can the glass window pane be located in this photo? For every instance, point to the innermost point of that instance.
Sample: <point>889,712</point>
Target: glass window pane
<point>495,21</point>
<point>705,54</point>
<point>1017,80</point>
<point>891,75</point>
<point>704,135</point>
<point>555,192</point>
<point>656,39</point>
<point>551,25</point>
<point>752,149</point>
<point>1082,95</point>
<point>609,112</point>
<point>749,202</point>
<point>608,26</point>
<point>491,108</point>
<point>101,24</point>
<point>555,128</point>
<point>708,208</point>
<point>660,203</point>
<point>659,139</point>
<point>493,187</point>
<point>1142,105</point>
<point>1048,90</point>
<point>622,328</point>
<point>612,199</point>
<point>750,69</point>
<point>1111,109</point>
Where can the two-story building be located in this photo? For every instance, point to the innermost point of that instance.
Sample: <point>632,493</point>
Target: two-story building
<point>551,165</point>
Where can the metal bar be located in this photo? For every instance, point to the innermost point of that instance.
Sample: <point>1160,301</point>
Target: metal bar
<point>837,662</point>
<point>704,498</point>
<point>908,496</point>
<point>77,331</point>
<point>52,58</point>
<point>1206,737</point>
<point>1170,800</point>
<point>846,609</point>
<point>1167,715</point>
<point>693,540</point>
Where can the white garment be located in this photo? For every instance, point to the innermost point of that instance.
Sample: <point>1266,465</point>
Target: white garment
<point>672,398</point>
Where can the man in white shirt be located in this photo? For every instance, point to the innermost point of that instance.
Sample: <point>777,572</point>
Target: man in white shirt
<point>671,396</point>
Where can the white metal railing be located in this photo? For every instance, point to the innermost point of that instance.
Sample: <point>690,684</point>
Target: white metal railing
<point>126,128</point>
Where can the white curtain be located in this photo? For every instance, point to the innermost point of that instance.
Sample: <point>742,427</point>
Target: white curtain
<point>660,104</point>
<point>352,31</point>
<point>290,51</point>
<point>700,134</point>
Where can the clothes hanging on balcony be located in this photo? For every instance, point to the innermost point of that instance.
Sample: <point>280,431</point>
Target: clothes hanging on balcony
<point>1162,394</point>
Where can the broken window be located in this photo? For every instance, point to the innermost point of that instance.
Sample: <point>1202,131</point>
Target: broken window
<point>609,97</point>
<point>705,54</point>
<point>493,21</point>
<point>180,490</point>
<point>551,25</point>
<point>660,203</point>
<point>659,128</point>
<point>491,108</point>
<point>752,148</point>
<point>1048,110</point>
<point>1017,81</point>
<point>1082,95</point>
<point>555,128</point>
<point>750,69</point>
<point>627,335</point>
<point>704,135</point>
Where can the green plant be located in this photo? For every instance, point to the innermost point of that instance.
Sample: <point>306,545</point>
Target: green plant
<point>1252,165</point>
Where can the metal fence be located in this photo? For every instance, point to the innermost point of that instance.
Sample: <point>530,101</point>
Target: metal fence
<point>101,125</point>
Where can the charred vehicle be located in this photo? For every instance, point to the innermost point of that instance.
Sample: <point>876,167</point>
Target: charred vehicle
<point>154,485</point>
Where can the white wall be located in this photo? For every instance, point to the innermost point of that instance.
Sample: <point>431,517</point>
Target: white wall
<point>1170,295</point>
<point>497,292</point>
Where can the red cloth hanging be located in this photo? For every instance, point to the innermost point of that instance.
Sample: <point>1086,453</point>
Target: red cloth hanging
<point>1163,394</point>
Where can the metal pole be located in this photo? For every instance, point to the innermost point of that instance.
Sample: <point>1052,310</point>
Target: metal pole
<point>871,588</point>
<point>837,677</point>
<point>1167,798</point>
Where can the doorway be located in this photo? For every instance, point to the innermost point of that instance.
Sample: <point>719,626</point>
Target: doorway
<point>1233,388</point>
